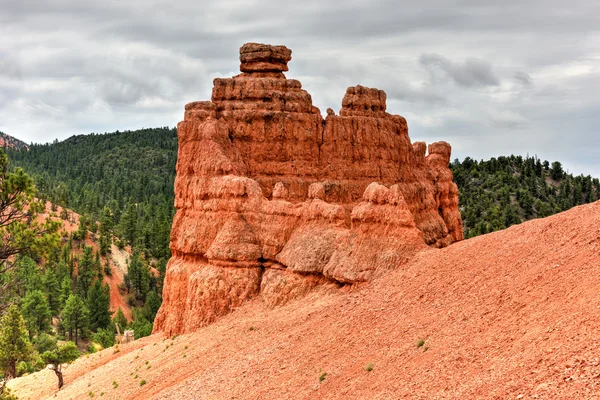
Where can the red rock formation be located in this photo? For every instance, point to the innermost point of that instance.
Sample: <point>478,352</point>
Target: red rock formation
<point>273,200</point>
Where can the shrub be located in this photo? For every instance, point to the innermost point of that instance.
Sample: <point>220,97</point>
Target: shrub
<point>104,337</point>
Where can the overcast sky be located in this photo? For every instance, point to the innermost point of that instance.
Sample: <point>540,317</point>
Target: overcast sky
<point>490,77</point>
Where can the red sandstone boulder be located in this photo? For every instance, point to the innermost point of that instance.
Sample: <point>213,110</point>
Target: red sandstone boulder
<point>272,200</point>
<point>257,57</point>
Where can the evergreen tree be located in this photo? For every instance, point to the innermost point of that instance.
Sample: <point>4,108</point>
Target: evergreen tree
<point>86,272</point>
<point>28,277</point>
<point>107,268</point>
<point>556,172</point>
<point>82,229</point>
<point>66,290</point>
<point>129,224</point>
<point>152,305</point>
<point>106,227</point>
<point>44,342</point>
<point>139,275</point>
<point>141,327</point>
<point>52,290</point>
<point>14,342</point>
<point>75,317</point>
<point>36,312</point>
<point>61,355</point>
<point>120,320</point>
<point>99,306</point>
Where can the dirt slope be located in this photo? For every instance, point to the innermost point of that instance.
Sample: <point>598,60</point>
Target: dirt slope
<point>513,314</point>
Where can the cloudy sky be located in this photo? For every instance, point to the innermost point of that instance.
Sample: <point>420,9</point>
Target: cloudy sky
<point>490,77</point>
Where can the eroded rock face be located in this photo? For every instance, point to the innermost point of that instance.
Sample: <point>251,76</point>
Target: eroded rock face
<point>273,200</point>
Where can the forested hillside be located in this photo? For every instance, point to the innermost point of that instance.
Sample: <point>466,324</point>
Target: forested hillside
<point>124,180</point>
<point>56,283</point>
<point>504,191</point>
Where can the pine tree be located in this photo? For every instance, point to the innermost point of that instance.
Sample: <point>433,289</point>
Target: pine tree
<point>82,229</point>
<point>14,343</point>
<point>36,312</point>
<point>556,172</point>
<point>139,275</point>
<point>129,224</point>
<point>99,306</point>
<point>63,354</point>
<point>75,316</point>
<point>152,305</point>
<point>120,320</point>
<point>52,290</point>
<point>107,268</point>
<point>86,272</point>
<point>66,290</point>
<point>106,227</point>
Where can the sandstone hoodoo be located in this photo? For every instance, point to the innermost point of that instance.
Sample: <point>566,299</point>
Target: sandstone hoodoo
<point>273,200</point>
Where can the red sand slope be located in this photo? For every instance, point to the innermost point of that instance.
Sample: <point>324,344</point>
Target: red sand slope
<point>514,314</point>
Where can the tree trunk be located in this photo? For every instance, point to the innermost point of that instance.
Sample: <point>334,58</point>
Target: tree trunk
<point>60,378</point>
<point>12,369</point>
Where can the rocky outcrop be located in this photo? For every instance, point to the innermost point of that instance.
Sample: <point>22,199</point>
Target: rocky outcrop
<point>273,200</point>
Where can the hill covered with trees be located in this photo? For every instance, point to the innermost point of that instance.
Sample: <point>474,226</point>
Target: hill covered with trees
<point>124,180</point>
<point>55,285</point>
<point>504,191</point>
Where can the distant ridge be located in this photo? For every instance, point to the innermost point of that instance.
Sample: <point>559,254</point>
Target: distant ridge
<point>7,141</point>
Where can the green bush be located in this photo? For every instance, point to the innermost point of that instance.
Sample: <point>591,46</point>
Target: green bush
<point>104,337</point>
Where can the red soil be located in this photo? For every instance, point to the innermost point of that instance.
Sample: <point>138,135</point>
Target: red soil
<point>513,314</point>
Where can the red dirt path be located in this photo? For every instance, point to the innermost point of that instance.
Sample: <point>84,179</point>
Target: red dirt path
<point>513,314</point>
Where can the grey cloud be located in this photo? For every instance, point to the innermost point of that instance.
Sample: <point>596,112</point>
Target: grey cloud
<point>523,78</point>
<point>69,67</point>
<point>472,72</point>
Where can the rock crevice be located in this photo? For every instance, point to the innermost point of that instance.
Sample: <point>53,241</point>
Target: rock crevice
<point>273,200</point>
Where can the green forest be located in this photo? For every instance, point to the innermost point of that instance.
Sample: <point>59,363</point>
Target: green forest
<point>505,191</point>
<point>52,283</point>
<point>124,179</point>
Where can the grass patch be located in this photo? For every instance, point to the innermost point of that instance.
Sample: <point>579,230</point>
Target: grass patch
<point>322,377</point>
